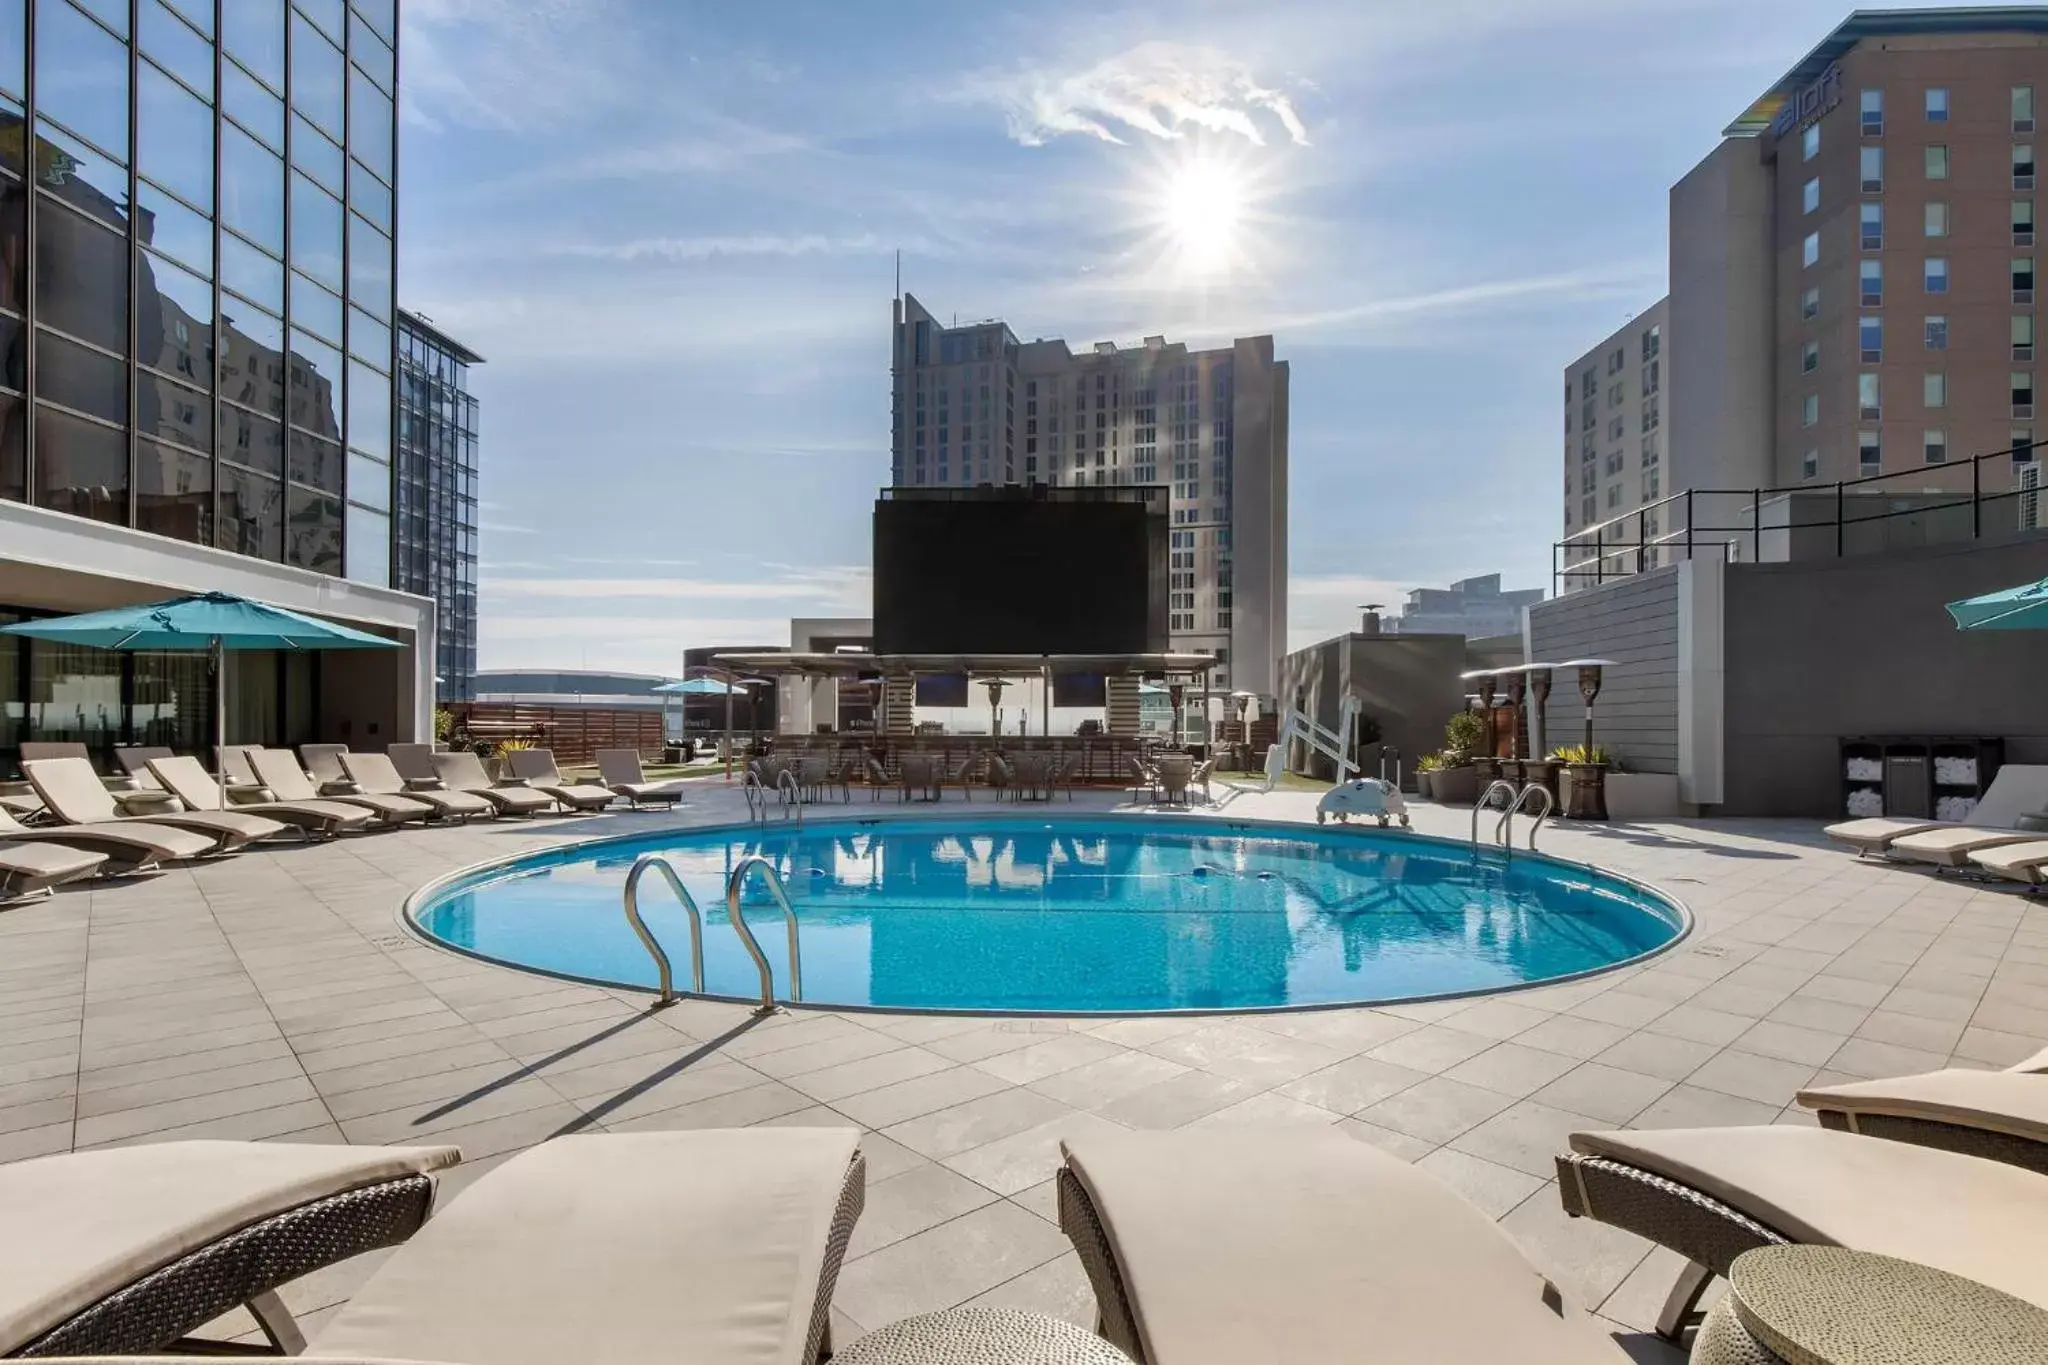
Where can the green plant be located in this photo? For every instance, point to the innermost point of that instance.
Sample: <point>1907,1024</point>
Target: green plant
<point>506,746</point>
<point>1577,753</point>
<point>1430,763</point>
<point>444,723</point>
<point>1464,733</point>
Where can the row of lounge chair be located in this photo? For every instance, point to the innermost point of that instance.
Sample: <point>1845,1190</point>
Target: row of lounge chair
<point>1203,1247</point>
<point>82,828</point>
<point>1990,844</point>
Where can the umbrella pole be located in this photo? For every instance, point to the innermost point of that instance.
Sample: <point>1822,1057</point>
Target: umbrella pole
<point>728,732</point>
<point>220,717</point>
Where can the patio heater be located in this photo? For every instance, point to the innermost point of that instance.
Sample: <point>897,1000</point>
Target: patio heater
<point>1539,733</point>
<point>1589,779</point>
<point>1176,693</point>
<point>995,697</point>
<point>1518,682</point>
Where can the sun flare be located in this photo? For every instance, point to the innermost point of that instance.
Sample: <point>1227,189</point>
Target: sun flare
<point>1202,208</point>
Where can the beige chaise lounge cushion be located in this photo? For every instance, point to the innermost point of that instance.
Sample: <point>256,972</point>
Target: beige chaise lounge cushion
<point>2008,1102</point>
<point>693,1247</point>
<point>1952,847</point>
<point>74,1228</point>
<point>1983,1220</point>
<point>1308,1245</point>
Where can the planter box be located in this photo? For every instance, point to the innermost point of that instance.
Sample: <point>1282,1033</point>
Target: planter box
<point>1634,796</point>
<point>1425,785</point>
<point>1459,786</point>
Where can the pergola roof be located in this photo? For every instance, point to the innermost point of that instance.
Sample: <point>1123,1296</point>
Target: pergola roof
<point>846,664</point>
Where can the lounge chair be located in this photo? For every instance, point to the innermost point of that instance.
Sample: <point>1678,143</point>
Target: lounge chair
<point>232,762</point>
<point>2023,860</point>
<point>415,763</point>
<point>130,845</point>
<point>134,761</point>
<point>536,768</point>
<point>280,772</point>
<point>127,1250</point>
<point>37,869</point>
<point>719,1246</point>
<point>53,748</point>
<point>374,776</point>
<point>464,772</point>
<point>1998,1115</point>
<point>74,793</point>
<point>323,763</point>
<point>1298,1245</point>
<point>22,805</point>
<point>186,779</point>
<point>1711,1194</point>
<point>620,770</point>
<point>2017,789</point>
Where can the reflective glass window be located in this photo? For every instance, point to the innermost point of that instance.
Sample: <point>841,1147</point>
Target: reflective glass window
<point>369,410</point>
<point>81,467</point>
<point>14,49</point>
<point>261,112</point>
<point>369,124</point>
<point>13,354</point>
<point>250,513</point>
<point>314,154</point>
<point>81,277</point>
<point>328,14</point>
<point>316,231</point>
<point>369,269</point>
<point>252,189</point>
<point>369,51</point>
<point>369,339</point>
<point>369,482</point>
<point>200,12</point>
<point>74,693</point>
<point>174,133</point>
<point>315,308</point>
<point>312,537</point>
<point>316,385</point>
<point>256,275</point>
<point>81,177</point>
<point>180,51</point>
<point>174,412</point>
<point>315,463</point>
<point>81,378</point>
<point>253,30</point>
<point>369,196</point>
<point>13,245</point>
<point>13,453</point>
<point>252,440</point>
<point>174,320</point>
<point>172,700</point>
<point>369,546</point>
<point>316,75</point>
<point>82,76</point>
<point>112,13</point>
<point>382,16</point>
<point>252,365</point>
<point>174,229</point>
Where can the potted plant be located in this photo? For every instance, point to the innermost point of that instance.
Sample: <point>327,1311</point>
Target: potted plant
<point>1426,769</point>
<point>1585,780</point>
<point>1457,779</point>
<point>500,762</point>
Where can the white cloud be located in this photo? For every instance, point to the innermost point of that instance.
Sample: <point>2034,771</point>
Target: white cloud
<point>708,248</point>
<point>1156,89</point>
<point>512,65</point>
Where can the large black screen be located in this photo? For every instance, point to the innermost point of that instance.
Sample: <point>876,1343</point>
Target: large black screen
<point>1021,571</point>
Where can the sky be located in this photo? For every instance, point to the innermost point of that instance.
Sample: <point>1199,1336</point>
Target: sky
<point>670,228</point>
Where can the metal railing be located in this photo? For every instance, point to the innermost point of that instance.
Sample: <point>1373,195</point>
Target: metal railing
<point>1608,550</point>
<point>647,939</point>
<point>1505,788</point>
<point>1504,830</point>
<point>733,886</point>
<point>792,794</point>
<point>757,797</point>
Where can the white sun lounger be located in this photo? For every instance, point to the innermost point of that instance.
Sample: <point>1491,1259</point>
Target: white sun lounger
<point>74,792</point>
<point>536,768</point>
<point>620,769</point>
<point>279,770</point>
<point>35,869</point>
<point>186,779</point>
<point>464,772</point>
<point>1952,846</point>
<point>2018,789</point>
<point>374,775</point>
<point>130,845</point>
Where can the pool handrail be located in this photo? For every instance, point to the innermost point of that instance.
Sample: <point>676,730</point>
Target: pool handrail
<point>1499,784</point>
<point>791,792</point>
<point>733,886</point>
<point>1504,828</point>
<point>647,939</point>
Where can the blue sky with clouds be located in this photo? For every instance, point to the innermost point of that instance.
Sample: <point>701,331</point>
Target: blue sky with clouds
<point>669,226</point>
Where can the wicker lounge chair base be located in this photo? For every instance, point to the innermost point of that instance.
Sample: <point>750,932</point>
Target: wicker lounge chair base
<point>1997,1115</point>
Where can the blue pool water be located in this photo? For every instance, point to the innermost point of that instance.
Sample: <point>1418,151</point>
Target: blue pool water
<point>1077,914</point>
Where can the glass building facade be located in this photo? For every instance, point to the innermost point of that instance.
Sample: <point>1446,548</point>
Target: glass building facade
<point>434,546</point>
<point>196,271</point>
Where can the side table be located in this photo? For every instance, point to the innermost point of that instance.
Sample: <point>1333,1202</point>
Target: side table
<point>1822,1305</point>
<point>980,1336</point>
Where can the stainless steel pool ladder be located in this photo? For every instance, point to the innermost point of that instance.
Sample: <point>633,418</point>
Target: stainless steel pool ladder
<point>647,939</point>
<point>1504,830</point>
<point>733,886</point>
<point>792,795</point>
<point>1499,784</point>
<point>756,794</point>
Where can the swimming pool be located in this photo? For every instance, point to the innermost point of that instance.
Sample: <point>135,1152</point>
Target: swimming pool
<point>1077,914</point>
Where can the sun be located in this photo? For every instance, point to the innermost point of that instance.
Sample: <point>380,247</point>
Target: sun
<point>1202,210</point>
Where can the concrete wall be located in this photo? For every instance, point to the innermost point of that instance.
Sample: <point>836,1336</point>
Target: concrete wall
<point>1258,632</point>
<point>1634,622</point>
<point>1817,651</point>
<point>1721,338</point>
<point>1407,683</point>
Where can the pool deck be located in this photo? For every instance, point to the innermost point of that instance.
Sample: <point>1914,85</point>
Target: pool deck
<point>274,995</point>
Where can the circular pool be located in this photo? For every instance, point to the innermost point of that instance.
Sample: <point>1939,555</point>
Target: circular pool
<point>1081,914</point>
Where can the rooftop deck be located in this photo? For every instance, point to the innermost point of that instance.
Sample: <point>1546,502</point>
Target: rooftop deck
<point>274,995</point>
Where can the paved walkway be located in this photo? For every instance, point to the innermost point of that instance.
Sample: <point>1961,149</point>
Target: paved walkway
<point>274,995</point>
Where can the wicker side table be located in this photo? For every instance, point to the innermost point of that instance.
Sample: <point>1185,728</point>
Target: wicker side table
<point>981,1336</point>
<point>1820,1305</point>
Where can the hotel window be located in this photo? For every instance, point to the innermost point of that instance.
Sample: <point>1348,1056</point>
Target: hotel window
<point>1870,283</point>
<point>2022,445</point>
<point>2023,336</point>
<point>1871,162</point>
<point>1936,332</point>
<point>1653,485</point>
<point>1937,218</point>
<point>1869,454</point>
<point>1934,389</point>
<point>1934,447</point>
<point>1652,376</point>
<point>2022,393</point>
<point>1872,104</point>
<point>1809,196</point>
<point>2023,279</point>
<point>1650,413</point>
<point>1614,495</point>
<point>1870,339</point>
<point>2023,166</point>
<point>1589,508</point>
<point>1809,410</point>
<point>1653,342</point>
<point>1649,451</point>
<point>1809,357</point>
<point>1870,221</point>
<point>1809,142</point>
<point>1809,303</point>
<point>2023,108</point>
<point>1614,395</point>
<point>1809,465</point>
<point>2022,222</point>
<point>1867,405</point>
<point>1937,104</point>
<point>1937,161</point>
<point>1935,274</point>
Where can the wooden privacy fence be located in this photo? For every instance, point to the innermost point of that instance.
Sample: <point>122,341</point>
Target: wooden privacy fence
<point>575,733</point>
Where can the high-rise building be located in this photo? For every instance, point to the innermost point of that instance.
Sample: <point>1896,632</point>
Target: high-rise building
<point>973,405</point>
<point>197,207</point>
<point>434,518</point>
<point>1473,607</point>
<point>1853,288</point>
<point>1614,435</point>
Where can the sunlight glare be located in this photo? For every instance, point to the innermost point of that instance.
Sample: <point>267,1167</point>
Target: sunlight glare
<point>1202,209</point>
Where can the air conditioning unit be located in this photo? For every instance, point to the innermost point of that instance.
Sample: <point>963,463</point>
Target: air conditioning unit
<point>2030,496</point>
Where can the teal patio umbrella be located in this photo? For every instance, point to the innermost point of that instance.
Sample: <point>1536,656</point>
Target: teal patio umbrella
<point>2021,608</point>
<point>706,687</point>
<point>215,623</point>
